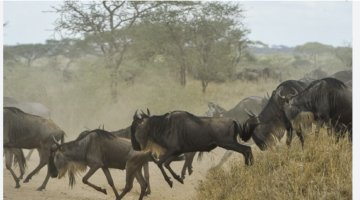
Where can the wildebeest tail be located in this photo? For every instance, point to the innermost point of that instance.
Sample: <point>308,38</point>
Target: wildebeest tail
<point>180,158</point>
<point>22,157</point>
<point>200,156</point>
<point>243,131</point>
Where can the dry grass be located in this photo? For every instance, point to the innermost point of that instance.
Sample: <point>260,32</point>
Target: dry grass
<point>323,170</point>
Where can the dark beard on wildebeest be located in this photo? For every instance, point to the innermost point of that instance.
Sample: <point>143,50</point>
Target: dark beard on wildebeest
<point>270,125</point>
<point>327,99</point>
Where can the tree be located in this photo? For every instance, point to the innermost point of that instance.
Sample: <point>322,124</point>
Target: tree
<point>218,38</point>
<point>344,54</point>
<point>28,52</point>
<point>107,23</point>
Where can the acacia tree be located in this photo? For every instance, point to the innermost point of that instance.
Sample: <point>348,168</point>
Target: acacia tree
<point>217,32</point>
<point>108,23</point>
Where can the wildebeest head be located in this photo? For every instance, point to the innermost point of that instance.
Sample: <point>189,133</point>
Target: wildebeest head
<point>138,136</point>
<point>55,152</point>
<point>59,163</point>
<point>271,123</point>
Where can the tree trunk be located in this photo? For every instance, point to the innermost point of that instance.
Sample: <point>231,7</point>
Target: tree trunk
<point>204,85</point>
<point>183,75</point>
<point>114,85</point>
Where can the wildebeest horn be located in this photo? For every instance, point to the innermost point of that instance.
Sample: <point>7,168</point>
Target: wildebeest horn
<point>296,92</point>
<point>268,95</point>
<point>253,114</point>
<point>148,111</point>
<point>250,115</point>
<point>56,142</point>
<point>136,115</point>
<point>280,94</point>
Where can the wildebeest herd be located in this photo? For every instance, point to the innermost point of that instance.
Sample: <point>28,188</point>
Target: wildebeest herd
<point>292,107</point>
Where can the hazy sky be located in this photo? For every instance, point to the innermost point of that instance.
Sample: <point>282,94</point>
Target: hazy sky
<point>274,23</point>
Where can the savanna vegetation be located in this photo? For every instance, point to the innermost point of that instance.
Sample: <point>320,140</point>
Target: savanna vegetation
<point>182,55</point>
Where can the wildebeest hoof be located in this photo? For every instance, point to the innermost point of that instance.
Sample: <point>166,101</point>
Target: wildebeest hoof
<point>179,179</point>
<point>148,192</point>
<point>170,183</point>
<point>21,177</point>
<point>17,185</point>
<point>40,188</point>
<point>103,191</point>
<point>26,181</point>
<point>190,172</point>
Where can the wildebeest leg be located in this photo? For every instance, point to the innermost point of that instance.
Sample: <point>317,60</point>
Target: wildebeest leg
<point>142,183</point>
<point>110,180</point>
<point>167,154</point>
<point>225,157</point>
<point>43,153</point>
<point>8,160</point>
<point>29,154</point>
<point>147,178</point>
<point>301,137</point>
<point>167,165</point>
<point>289,137</point>
<point>245,150</point>
<point>130,175</point>
<point>42,187</point>
<point>92,170</point>
<point>188,162</point>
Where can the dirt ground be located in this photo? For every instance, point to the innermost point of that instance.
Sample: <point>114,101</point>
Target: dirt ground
<point>60,189</point>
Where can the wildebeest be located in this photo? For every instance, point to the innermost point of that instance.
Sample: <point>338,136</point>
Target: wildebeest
<point>277,75</point>
<point>180,132</point>
<point>328,99</point>
<point>317,73</point>
<point>270,125</point>
<point>32,108</point>
<point>252,77</point>
<point>99,149</point>
<point>22,130</point>
<point>267,73</point>
<point>306,80</point>
<point>343,76</point>
<point>253,103</point>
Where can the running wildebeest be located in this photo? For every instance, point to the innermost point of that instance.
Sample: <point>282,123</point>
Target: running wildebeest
<point>189,157</point>
<point>270,125</point>
<point>343,76</point>
<point>252,77</point>
<point>180,132</point>
<point>22,130</point>
<point>99,149</point>
<point>328,99</point>
<point>32,108</point>
<point>267,73</point>
<point>254,103</point>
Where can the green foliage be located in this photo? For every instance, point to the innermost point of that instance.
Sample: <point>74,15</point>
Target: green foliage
<point>27,52</point>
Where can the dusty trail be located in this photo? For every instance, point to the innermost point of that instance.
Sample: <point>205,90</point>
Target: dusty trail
<point>59,189</point>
